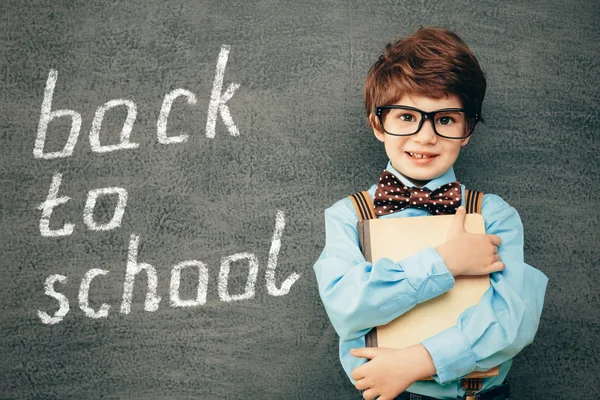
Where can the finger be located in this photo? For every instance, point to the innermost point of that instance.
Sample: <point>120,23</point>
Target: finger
<point>358,373</point>
<point>364,352</point>
<point>495,239</point>
<point>362,384</point>
<point>497,266</point>
<point>458,222</point>
<point>370,394</point>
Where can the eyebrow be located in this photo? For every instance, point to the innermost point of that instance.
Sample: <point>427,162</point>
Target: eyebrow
<point>402,106</point>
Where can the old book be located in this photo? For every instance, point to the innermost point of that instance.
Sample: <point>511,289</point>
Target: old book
<point>398,238</point>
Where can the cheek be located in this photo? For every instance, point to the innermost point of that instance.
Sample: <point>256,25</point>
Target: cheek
<point>395,143</point>
<point>453,150</point>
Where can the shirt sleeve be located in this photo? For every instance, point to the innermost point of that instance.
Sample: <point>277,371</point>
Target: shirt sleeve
<point>359,295</point>
<point>507,317</point>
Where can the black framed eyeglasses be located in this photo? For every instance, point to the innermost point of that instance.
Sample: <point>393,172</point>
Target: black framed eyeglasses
<point>449,123</point>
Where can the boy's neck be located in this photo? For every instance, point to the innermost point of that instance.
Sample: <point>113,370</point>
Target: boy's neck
<point>414,181</point>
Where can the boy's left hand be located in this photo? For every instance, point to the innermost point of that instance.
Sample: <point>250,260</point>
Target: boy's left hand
<point>390,371</point>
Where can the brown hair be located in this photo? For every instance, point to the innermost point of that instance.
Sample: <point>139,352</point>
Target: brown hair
<point>433,62</point>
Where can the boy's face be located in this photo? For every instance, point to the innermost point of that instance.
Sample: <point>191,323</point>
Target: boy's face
<point>442,152</point>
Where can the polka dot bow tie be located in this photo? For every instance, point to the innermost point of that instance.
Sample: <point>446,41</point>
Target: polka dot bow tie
<point>392,196</point>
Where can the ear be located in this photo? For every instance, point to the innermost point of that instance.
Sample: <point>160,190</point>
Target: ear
<point>465,141</point>
<point>379,134</point>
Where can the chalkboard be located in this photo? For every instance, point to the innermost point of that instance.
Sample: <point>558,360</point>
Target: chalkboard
<point>165,167</point>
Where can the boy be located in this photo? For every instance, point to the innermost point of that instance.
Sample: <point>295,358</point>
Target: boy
<point>423,98</point>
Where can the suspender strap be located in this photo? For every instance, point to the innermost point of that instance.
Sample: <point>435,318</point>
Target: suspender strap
<point>363,205</point>
<point>473,201</point>
<point>471,386</point>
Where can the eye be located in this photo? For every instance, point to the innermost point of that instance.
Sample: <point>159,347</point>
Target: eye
<point>445,120</point>
<point>406,117</point>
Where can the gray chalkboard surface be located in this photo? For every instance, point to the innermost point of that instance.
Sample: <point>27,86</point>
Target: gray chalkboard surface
<point>165,166</point>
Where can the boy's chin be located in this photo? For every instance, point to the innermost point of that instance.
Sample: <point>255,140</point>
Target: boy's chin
<point>419,182</point>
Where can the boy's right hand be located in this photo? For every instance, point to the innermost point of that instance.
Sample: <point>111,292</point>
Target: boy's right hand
<point>467,253</point>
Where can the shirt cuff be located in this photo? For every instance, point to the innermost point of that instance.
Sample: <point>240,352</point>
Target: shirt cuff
<point>427,273</point>
<point>451,354</point>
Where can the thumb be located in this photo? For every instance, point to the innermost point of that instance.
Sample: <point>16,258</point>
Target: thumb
<point>365,352</point>
<point>458,222</point>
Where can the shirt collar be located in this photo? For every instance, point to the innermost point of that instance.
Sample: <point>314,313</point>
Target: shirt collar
<point>433,184</point>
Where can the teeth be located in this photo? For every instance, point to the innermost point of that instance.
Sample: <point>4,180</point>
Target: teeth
<point>418,155</point>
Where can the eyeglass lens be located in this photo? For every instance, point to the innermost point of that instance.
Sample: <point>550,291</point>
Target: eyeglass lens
<point>452,124</point>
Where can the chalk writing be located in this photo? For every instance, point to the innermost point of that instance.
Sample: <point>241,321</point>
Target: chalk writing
<point>63,302</point>
<point>272,262</point>
<point>90,204</point>
<point>165,110</point>
<point>134,268</point>
<point>84,290</point>
<point>47,115</point>
<point>47,206</point>
<point>218,106</point>
<point>218,100</point>
<point>125,131</point>
<point>250,283</point>
<point>52,201</point>
<point>176,279</point>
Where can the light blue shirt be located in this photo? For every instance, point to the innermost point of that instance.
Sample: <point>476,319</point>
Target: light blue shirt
<point>359,295</point>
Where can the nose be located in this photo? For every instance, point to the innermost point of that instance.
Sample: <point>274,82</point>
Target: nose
<point>426,134</point>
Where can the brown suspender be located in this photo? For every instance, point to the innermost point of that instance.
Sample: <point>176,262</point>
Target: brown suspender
<point>470,386</point>
<point>363,205</point>
<point>473,201</point>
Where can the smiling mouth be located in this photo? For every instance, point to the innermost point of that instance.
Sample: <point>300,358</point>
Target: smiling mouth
<point>420,155</point>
